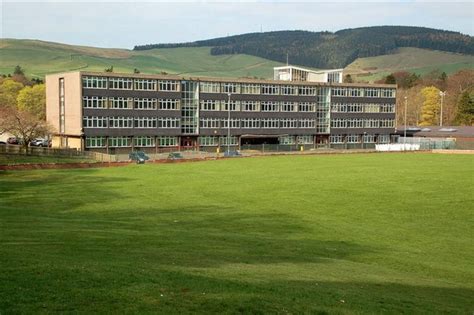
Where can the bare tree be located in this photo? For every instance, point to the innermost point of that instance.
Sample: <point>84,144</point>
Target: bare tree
<point>24,125</point>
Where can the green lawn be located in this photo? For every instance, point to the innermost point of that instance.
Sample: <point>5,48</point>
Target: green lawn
<point>343,234</point>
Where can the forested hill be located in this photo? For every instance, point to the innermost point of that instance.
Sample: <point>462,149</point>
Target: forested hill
<point>332,50</point>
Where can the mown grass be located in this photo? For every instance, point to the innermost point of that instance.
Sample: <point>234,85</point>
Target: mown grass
<point>343,234</point>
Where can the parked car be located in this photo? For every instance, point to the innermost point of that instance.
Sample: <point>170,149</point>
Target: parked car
<point>39,142</point>
<point>13,140</point>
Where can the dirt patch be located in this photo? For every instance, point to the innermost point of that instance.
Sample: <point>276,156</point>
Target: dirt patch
<point>40,166</point>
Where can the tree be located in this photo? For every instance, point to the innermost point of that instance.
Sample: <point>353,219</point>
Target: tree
<point>9,91</point>
<point>136,71</point>
<point>390,79</point>
<point>18,71</point>
<point>24,125</point>
<point>33,100</point>
<point>430,109</point>
<point>465,113</point>
<point>348,79</point>
<point>111,69</point>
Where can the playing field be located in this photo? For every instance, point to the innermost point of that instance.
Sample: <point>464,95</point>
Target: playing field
<point>344,234</point>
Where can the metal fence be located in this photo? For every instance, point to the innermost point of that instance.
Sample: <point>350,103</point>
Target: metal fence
<point>429,143</point>
<point>55,152</point>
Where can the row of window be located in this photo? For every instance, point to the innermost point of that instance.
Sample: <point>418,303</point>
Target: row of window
<point>354,138</point>
<point>100,102</point>
<point>94,82</point>
<point>362,108</point>
<point>98,82</point>
<point>253,123</point>
<point>363,92</point>
<point>130,122</point>
<point>362,123</point>
<point>142,141</point>
<point>256,106</point>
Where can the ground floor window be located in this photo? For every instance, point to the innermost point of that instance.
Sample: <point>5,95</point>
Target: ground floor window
<point>336,139</point>
<point>96,142</point>
<point>144,141</point>
<point>352,139</point>
<point>384,138</point>
<point>229,141</point>
<point>305,139</point>
<point>369,138</point>
<point>117,142</point>
<point>167,141</point>
<point>287,140</point>
<point>208,141</point>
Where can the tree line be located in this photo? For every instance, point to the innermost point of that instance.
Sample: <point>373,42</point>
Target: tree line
<point>331,50</point>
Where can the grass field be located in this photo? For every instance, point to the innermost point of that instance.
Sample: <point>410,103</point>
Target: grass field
<point>39,58</point>
<point>419,61</point>
<point>14,159</point>
<point>337,234</point>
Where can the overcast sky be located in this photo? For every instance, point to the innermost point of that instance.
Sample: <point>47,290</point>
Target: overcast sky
<point>125,23</point>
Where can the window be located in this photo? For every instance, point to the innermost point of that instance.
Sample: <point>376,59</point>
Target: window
<point>94,102</point>
<point>144,141</point>
<point>209,105</point>
<point>387,92</point>
<point>289,106</point>
<point>209,123</point>
<point>355,108</point>
<point>289,90</point>
<point>229,141</point>
<point>307,139</point>
<point>167,141</point>
<point>144,103</point>
<point>250,89</point>
<point>94,82</point>
<point>307,90</point>
<point>371,123</point>
<point>288,123</point>
<point>94,122</point>
<point>120,83</point>
<point>354,92</point>
<point>121,122</point>
<point>270,123</point>
<point>250,123</point>
<point>269,106</point>
<point>336,139</point>
<point>287,140</point>
<point>168,85</point>
<point>387,123</point>
<point>145,122</point>
<point>209,87</point>
<point>62,110</point>
<point>234,123</point>
<point>232,88</point>
<point>250,106</point>
<point>338,123</point>
<point>168,122</point>
<point>384,138</point>
<point>270,89</point>
<point>307,107</point>
<point>353,139</point>
<point>371,108</point>
<point>369,138</point>
<point>206,141</point>
<point>338,108</point>
<point>387,108</point>
<point>355,123</point>
<point>371,92</point>
<point>119,142</point>
<point>307,123</point>
<point>96,142</point>
<point>145,85</point>
<point>234,106</point>
<point>338,91</point>
<point>168,104</point>
<point>121,103</point>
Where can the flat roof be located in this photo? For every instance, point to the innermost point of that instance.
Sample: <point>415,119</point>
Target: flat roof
<point>438,131</point>
<point>308,70</point>
<point>220,79</point>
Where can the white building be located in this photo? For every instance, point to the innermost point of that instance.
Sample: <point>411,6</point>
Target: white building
<point>292,73</point>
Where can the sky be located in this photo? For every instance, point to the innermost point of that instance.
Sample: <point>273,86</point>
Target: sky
<point>123,24</point>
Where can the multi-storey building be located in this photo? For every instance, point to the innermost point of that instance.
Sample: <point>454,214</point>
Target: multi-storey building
<point>118,113</point>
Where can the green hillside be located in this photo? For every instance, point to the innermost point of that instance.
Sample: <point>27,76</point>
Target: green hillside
<point>420,61</point>
<point>39,58</point>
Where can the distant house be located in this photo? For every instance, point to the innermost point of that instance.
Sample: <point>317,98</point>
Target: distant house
<point>463,135</point>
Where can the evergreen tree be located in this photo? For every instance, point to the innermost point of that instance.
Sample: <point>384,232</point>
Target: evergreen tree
<point>465,113</point>
<point>348,79</point>
<point>431,106</point>
<point>18,71</point>
<point>390,79</point>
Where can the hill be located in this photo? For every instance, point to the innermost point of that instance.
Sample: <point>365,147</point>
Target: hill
<point>39,58</point>
<point>332,50</point>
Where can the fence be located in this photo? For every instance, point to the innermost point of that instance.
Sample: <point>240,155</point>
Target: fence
<point>54,152</point>
<point>429,143</point>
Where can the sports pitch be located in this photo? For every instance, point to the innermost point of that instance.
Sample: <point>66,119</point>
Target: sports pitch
<point>335,234</point>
